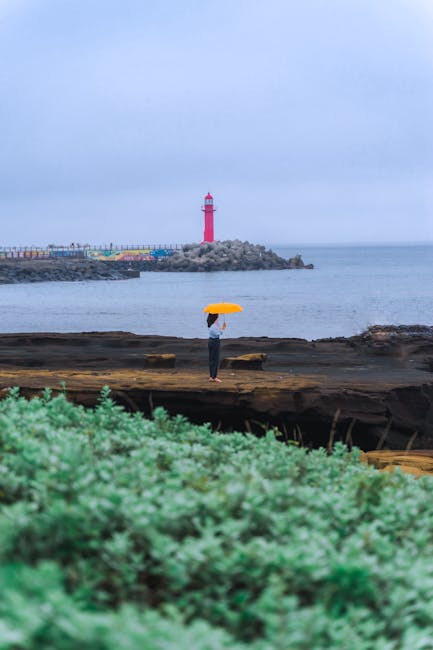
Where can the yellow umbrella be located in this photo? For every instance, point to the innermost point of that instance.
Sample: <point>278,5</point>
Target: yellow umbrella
<point>222,308</point>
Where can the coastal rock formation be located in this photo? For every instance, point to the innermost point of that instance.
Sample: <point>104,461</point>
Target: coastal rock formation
<point>227,256</point>
<point>308,389</point>
<point>252,361</point>
<point>298,263</point>
<point>14,271</point>
<point>417,463</point>
<point>159,360</point>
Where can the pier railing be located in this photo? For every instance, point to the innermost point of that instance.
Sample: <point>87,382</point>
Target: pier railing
<point>104,252</point>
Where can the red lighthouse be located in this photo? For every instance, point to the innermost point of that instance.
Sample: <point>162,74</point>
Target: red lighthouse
<point>208,218</point>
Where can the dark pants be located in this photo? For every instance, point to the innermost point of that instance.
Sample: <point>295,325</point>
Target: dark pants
<point>214,356</point>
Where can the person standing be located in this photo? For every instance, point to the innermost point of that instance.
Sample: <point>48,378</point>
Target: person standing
<point>215,332</point>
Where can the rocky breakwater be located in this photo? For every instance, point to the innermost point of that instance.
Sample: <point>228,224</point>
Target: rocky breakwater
<point>17,271</point>
<point>228,256</point>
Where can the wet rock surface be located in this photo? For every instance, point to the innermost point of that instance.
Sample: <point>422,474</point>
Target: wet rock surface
<point>375,395</point>
<point>15,271</point>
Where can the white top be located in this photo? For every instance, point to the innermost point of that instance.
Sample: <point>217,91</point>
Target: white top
<point>215,331</point>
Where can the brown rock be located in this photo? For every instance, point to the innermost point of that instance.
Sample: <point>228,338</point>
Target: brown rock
<point>245,361</point>
<point>382,398</point>
<point>407,469</point>
<point>160,360</point>
<point>418,463</point>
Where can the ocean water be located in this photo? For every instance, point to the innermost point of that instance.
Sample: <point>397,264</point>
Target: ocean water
<point>350,288</point>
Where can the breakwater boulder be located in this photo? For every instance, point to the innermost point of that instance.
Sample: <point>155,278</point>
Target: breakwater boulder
<point>230,255</point>
<point>16,271</point>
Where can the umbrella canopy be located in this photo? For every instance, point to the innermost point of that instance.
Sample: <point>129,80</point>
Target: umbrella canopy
<point>222,308</point>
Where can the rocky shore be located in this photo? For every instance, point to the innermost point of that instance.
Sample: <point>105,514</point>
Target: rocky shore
<point>369,390</point>
<point>15,271</point>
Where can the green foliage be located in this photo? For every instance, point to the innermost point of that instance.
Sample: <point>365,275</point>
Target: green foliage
<point>122,532</point>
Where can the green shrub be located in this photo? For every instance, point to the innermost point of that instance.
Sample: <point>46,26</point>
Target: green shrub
<point>122,532</point>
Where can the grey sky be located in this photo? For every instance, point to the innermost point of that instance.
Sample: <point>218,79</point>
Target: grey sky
<point>309,121</point>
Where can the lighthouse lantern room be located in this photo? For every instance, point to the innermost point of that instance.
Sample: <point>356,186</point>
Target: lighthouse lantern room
<point>208,210</point>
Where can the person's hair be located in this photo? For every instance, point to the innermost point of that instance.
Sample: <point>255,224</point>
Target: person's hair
<point>211,319</point>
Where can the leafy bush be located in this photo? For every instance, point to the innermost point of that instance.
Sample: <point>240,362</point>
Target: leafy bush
<point>122,532</point>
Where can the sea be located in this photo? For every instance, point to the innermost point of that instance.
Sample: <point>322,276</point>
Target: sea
<point>349,289</point>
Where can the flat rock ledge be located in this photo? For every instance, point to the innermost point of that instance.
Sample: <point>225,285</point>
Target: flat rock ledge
<point>159,360</point>
<point>252,361</point>
<point>231,255</point>
<point>373,390</point>
<point>418,462</point>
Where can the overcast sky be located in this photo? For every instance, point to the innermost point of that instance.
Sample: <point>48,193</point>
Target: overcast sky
<point>308,120</point>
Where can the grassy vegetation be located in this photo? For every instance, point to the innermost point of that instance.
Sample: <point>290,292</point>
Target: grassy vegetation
<point>121,532</point>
